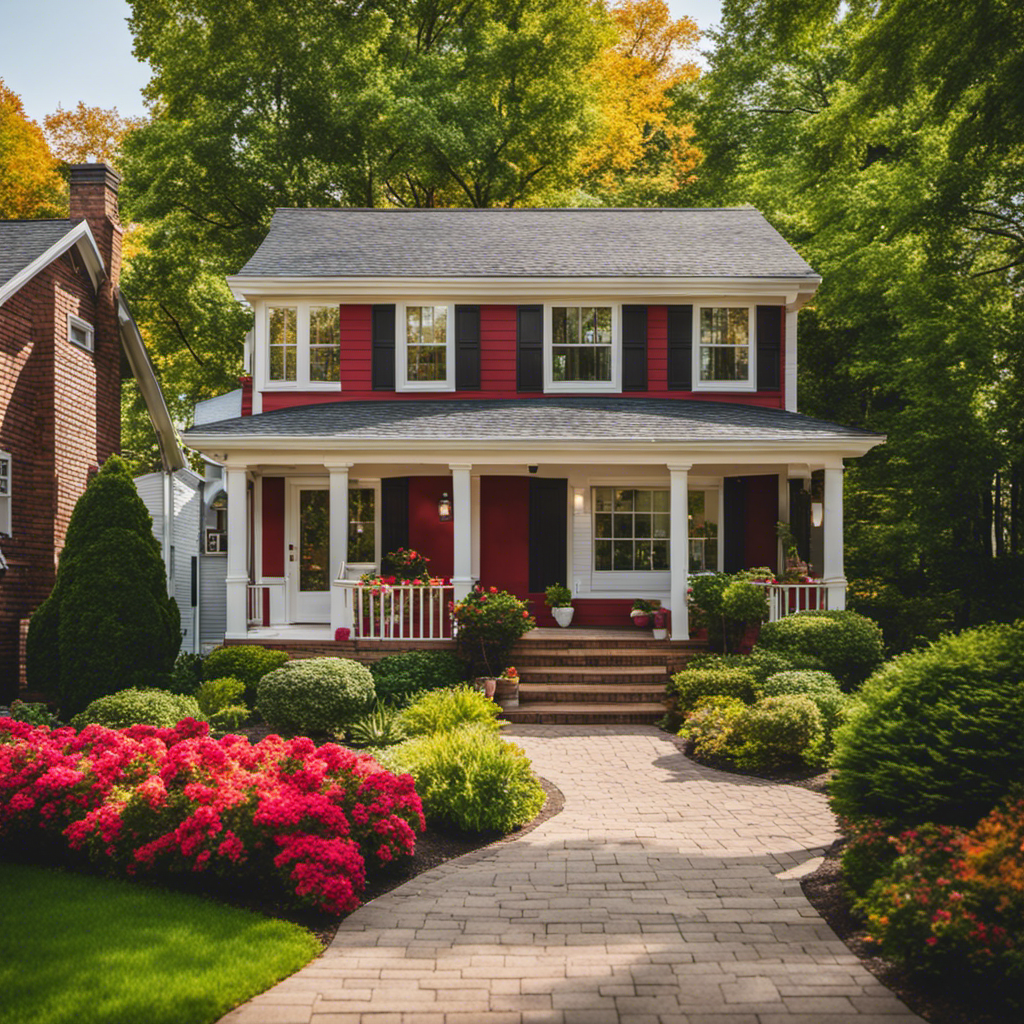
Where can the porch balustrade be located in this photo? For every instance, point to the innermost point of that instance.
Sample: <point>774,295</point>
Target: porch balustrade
<point>401,611</point>
<point>257,604</point>
<point>788,598</point>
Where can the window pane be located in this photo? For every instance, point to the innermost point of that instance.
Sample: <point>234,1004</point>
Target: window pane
<point>623,555</point>
<point>276,363</point>
<point>661,524</point>
<point>696,502</point>
<point>624,501</point>
<point>661,501</point>
<point>604,325</point>
<point>324,325</point>
<point>572,325</point>
<point>623,525</point>
<point>314,541</point>
<point>644,501</point>
<point>324,363</point>
<point>558,336</point>
<point>602,499</point>
<point>659,556</point>
<point>281,323</point>
<point>602,555</point>
<point>412,323</point>
<point>440,317</point>
<point>642,556</point>
<point>361,531</point>
<point>642,525</point>
<point>603,524</point>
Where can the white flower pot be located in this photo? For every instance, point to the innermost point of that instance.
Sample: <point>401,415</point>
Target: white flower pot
<point>563,616</point>
<point>660,634</point>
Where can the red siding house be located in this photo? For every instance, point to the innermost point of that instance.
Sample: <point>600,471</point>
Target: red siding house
<point>603,398</point>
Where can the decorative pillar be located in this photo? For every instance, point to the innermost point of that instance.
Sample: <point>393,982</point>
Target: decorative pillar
<point>462,516</point>
<point>784,516</point>
<point>679,549</point>
<point>832,556</point>
<point>237,580</point>
<point>789,372</point>
<point>341,611</point>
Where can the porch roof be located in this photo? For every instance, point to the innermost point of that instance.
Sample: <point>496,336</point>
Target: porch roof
<point>561,419</point>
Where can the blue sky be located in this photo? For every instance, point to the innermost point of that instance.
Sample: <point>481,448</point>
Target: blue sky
<point>57,52</point>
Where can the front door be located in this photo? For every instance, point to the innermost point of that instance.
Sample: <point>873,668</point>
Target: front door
<point>309,546</point>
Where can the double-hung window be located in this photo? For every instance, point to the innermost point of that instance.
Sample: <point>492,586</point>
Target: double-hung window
<point>582,348</point>
<point>362,525</point>
<point>5,493</point>
<point>426,350</point>
<point>303,345</point>
<point>725,349</point>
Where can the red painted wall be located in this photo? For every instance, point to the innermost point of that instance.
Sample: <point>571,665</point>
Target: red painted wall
<point>273,526</point>
<point>427,534</point>
<point>505,533</point>
<point>762,513</point>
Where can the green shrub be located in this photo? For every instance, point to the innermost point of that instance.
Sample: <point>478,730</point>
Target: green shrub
<point>187,674</point>
<point>381,727</point>
<point>216,694</point>
<point>444,710</point>
<point>777,732</point>
<point>558,595</point>
<point>936,735</point>
<point>248,662</point>
<point>847,644</point>
<point>34,714</point>
<point>138,707</point>
<point>710,726</point>
<point>821,687</point>
<point>398,678</point>
<point>470,779</point>
<point>229,718</point>
<point>764,662</point>
<point>693,684</point>
<point>489,622</point>
<point>315,695</point>
<point>724,603</point>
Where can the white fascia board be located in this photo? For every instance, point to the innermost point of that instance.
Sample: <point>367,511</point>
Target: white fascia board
<point>80,236</point>
<point>793,292</point>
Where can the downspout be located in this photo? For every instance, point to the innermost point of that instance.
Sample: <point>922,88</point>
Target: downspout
<point>168,531</point>
<point>197,610</point>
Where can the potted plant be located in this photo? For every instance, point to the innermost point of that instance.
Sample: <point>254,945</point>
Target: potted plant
<point>558,598</point>
<point>641,613</point>
<point>660,621</point>
<point>507,691</point>
<point>487,623</point>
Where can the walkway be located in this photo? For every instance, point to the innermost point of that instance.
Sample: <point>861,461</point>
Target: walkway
<point>653,898</point>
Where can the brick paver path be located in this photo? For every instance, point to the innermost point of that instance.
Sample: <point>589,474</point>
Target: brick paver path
<point>653,898</point>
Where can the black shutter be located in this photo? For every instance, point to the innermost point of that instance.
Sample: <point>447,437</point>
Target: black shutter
<point>769,347</point>
<point>634,348</point>
<point>530,348</point>
<point>467,348</point>
<point>548,511</point>
<point>394,514</point>
<point>383,364</point>
<point>734,529</point>
<point>680,348</point>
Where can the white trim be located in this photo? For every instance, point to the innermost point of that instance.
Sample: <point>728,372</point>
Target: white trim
<point>402,382</point>
<point>551,386</point>
<point>89,345</point>
<point>79,235</point>
<point>750,384</point>
<point>6,500</point>
<point>261,347</point>
<point>789,366</point>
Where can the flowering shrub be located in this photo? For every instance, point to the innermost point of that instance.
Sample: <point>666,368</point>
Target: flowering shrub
<point>488,622</point>
<point>149,799</point>
<point>407,565</point>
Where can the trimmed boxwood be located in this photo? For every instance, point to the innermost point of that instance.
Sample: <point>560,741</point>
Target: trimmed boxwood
<point>938,734</point>
<point>693,684</point>
<point>778,731</point>
<point>399,677</point>
<point>846,644</point>
<point>138,707</point>
<point>315,695</point>
<point>248,662</point>
<point>821,687</point>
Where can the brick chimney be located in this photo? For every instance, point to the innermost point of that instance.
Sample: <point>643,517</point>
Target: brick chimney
<point>94,198</point>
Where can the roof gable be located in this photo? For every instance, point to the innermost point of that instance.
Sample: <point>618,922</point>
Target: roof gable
<point>27,246</point>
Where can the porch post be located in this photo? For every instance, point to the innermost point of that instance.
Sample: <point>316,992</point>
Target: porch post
<point>338,507</point>
<point>237,578</point>
<point>462,574</point>
<point>832,555</point>
<point>679,549</point>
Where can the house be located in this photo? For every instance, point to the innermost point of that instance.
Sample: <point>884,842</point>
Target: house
<point>65,334</point>
<point>599,397</point>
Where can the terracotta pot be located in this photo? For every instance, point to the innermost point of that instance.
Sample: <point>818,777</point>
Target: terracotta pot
<point>486,685</point>
<point>507,692</point>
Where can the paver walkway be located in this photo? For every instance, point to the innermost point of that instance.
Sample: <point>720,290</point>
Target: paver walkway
<point>653,898</point>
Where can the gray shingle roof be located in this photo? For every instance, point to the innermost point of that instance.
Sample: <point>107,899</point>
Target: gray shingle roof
<point>346,242</point>
<point>547,419</point>
<point>22,241</point>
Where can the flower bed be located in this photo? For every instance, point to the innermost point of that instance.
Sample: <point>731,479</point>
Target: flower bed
<point>146,799</point>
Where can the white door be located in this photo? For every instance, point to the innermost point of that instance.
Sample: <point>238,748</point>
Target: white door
<point>309,546</point>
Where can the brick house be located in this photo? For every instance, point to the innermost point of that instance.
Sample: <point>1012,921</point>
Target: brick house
<point>601,398</point>
<point>65,333</point>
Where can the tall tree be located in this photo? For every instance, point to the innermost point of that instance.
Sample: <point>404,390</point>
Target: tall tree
<point>30,185</point>
<point>86,134</point>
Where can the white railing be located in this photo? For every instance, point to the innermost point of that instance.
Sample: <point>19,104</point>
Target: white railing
<point>400,611</point>
<point>788,598</point>
<point>255,603</point>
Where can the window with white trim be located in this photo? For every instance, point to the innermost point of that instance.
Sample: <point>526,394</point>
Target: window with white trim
<point>426,347</point>
<point>581,348</point>
<point>303,345</point>
<point>362,524</point>
<point>724,353</point>
<point>5,493</point>
<point>703,531</point>
<point>80,333</point>
<point>631,529</point>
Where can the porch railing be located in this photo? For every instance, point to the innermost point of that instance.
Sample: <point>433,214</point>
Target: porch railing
<point>402,611</point>
<point>787,598</point>
<point>257,604</point>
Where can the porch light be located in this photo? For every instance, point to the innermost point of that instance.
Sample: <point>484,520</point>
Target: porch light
<point>577,499</point>
<point>817,512</point>
<point>444,508</point>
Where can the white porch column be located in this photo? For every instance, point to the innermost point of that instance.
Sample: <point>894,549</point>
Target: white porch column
<point>237,579</point>
<point>679,549</point>
<point>462,516</point>
<point>832,557</point>
<point>784,516</point>
<point>341,613</point>
<point>789,371</point>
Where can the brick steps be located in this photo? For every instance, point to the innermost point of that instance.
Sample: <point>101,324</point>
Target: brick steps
<point>559,693</point>
<point>611,675</point>
<point>607,656</point>
<point>561,713</point>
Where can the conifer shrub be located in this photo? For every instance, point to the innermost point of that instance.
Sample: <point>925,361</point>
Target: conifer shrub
<point>398,678</point>
<point>846,644</point>
<point>444,710</point>
<point>936,735</point>
<point>108,623</point>
<point>315,695</point>
<point>138,707</point>
<point>248,662</point>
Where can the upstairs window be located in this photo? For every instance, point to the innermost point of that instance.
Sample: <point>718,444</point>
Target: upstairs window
<point>283,341</point>
<point>303,345</point>
<point>324,343</point>
<point>5,493</point>
<point>582,348</point>
<point>724,354</point>
<point>80,333</point>
<point>426,357</point>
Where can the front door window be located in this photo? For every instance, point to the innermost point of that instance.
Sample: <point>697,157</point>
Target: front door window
<point>314,541</point>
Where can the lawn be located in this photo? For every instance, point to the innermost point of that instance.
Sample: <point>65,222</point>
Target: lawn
<point>86,950</point>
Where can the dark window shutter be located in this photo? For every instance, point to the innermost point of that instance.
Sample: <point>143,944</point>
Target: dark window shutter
<point>530,348</point>
<point>769,347</point>
<point>680,348</point>
<point>383,364</point>
<point>467,348</point>
<point>394,514</point>
<point>634,348</point>
<point>548,537</point>
<point>734,529</point>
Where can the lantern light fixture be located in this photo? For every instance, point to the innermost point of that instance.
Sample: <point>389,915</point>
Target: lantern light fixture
<point>817,513</point>
<point>444,508</point>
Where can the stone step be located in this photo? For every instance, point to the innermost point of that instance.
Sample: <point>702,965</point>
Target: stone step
<point>613,675</point>
<point>551,713</point>
<point>592,656</point>
<point>559,693</point>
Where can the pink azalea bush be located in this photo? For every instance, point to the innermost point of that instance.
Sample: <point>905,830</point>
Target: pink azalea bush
<point>147,799</point>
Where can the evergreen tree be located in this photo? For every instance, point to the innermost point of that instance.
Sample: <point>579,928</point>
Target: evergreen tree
<point>108,624</point>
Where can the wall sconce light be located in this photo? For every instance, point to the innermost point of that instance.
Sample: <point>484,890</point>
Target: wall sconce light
<point>817,513</point>
<point>444,508</point>
<point>577,499</point>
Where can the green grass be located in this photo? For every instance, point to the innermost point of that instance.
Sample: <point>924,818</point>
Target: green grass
<point>85,950</point>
